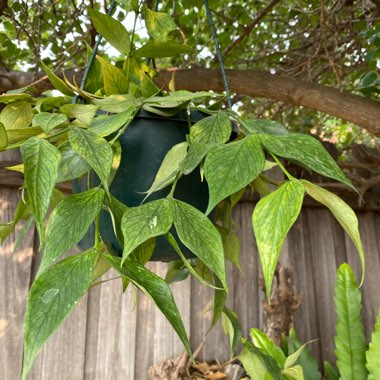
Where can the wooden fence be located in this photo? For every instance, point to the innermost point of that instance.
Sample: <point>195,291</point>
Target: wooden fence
<point>111,336</point>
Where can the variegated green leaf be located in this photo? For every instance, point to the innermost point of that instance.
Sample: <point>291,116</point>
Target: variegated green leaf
<point>350,340</point>
<point>212,129</point>
<point>141,223</point>
<point>198,234</point>
<point>265,126</point>
<point>196,153</point>
<point>294,373</point>
<point>52,297</point>
<point>159,49</point>
<point>229,168</point>
<point>16,115</point>
<point>48,121</point>
<point>83,112</point>
<point>112,30</point>
<point>343,214</point>
<point>3,137</point>
<point>307,151</point>
<point>107,125</point>
<point>115,81</point>
<point>72,165</point>
<point>169,168</point>
<point>69,222</point>
<point>95,150</point>
<point>41,162</point>
<point>58,83</point>
<point>158,24</point>
<point>272,219</point>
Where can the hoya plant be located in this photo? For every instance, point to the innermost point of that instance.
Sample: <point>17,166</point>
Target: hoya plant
<point>81,136</point>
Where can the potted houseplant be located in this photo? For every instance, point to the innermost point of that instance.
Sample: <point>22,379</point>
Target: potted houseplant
<point>61,140</point>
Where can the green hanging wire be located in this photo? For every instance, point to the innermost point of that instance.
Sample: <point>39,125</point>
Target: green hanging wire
<point>218,54</point>
<point>93,55</point>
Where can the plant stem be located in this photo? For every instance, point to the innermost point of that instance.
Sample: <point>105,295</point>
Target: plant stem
<point>126,125</point>
<point>290,177</point>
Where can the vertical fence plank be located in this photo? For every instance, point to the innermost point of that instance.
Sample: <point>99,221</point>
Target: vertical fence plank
<point>14,284</point>
<point>111,331</point>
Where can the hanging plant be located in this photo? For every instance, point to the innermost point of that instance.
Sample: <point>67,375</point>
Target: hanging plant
<point>62,140</point>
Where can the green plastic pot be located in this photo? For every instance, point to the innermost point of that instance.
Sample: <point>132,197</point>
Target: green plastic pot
<point>144,145</point>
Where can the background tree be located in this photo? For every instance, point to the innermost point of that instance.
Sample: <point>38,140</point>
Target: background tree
<point>332,43</point>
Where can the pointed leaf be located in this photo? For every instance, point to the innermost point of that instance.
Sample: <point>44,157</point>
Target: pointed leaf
<point>16,115</point>
<point>16,136</point>
<point>157,289</point>
<point>48,121</point>
<point>72,165</point>
<point>272,219</point>
<point>212,129</point>
<point>112,30</point>
<point>140,223</point>
<point>265,126</point>
<point>95,150</point>
<point>83,112</point>
<point>307,151</point>
<point>158,24</point>
<point>231,167</point>
<point>350,340</point>
<point>196,153</point>
<point>115,81</point>
<point>198,234</point>
<point>179,97</point>
<point>3,137</point>
<point>109,124</point>
<point>231,326</point>
<point>116,103</point>
<point>169,168</point>
<point>52,297</point>
<point>58,83</point>
<point>265,344</point>
<point>41,162</point>
<point>306,360</point>
<point>69,222</point>
<point>373,353</point>
<point>258,365</point>
<point>293,357</point>
<point>159,49</point>
<point>8,98</point>
<point>343,214</point>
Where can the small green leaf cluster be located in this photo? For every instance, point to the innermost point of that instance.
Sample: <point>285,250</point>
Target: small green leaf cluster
<point>264,360</point>
<point>61,141</point>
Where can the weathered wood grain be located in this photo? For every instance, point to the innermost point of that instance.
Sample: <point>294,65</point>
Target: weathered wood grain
<point>118,336</point>
<point>15,271</point>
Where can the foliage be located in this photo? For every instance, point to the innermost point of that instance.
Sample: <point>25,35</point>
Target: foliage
<point>62,140</point>
<point>335,44</point>
<point>262,359</point>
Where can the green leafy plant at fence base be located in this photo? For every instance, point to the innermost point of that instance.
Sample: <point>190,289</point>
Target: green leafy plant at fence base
<point>264,360</point>
<point>61,141</point>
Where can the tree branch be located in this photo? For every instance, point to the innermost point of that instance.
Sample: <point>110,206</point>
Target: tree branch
<point>357,109</point>
<point>249,28</point>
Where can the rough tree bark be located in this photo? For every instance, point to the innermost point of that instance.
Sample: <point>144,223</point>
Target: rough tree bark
<point>357,109</point>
